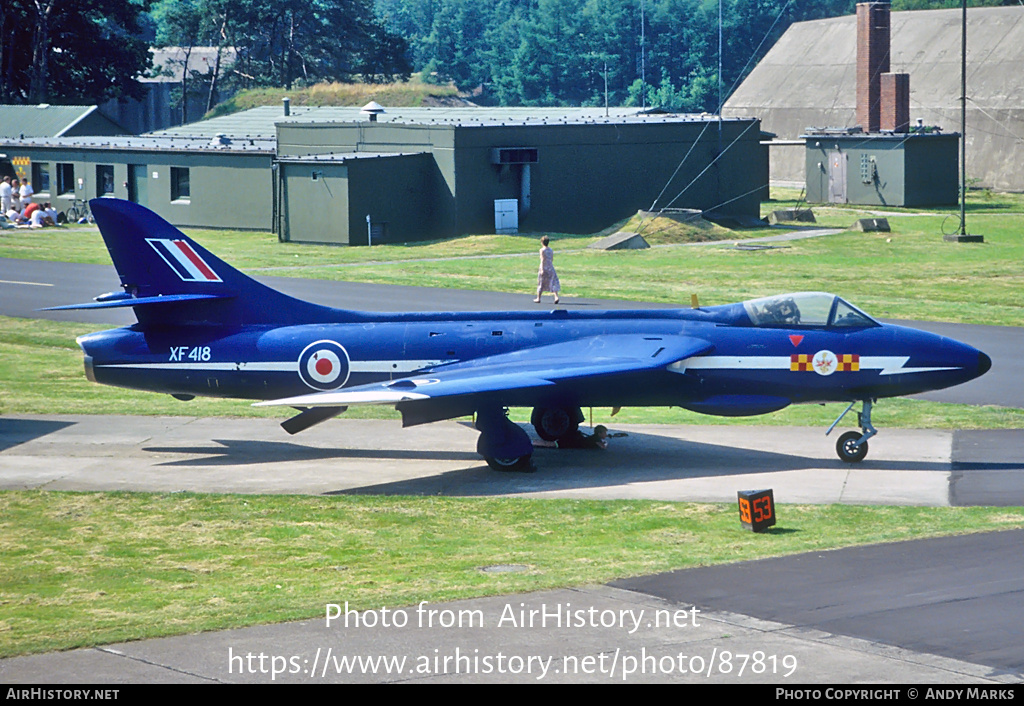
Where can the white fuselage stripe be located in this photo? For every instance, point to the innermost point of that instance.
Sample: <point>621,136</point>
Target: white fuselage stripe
<point>356,366</point>
<point>885,365</point>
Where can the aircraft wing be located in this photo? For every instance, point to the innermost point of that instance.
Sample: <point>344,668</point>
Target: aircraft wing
<point>525,369</point>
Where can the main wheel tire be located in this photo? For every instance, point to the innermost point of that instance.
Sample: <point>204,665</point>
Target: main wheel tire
<point>521,464</point>
<point>552,423</point>
<point>848,450</point>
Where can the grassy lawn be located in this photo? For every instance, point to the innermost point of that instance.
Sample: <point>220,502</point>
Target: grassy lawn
<point>910,273</point>
<point>405,94</point>
<point>256,251</point>
<point>90,568</point>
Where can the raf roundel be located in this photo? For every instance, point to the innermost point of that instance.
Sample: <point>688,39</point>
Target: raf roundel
<point>324,365</point>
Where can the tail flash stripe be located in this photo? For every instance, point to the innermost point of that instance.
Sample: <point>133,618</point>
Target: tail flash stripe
<point>167,256</point>
<point>194,258</point>
<point>185,261</point>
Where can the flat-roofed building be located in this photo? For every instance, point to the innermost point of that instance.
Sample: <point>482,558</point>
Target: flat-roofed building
<point>316,174</point>
<point>192,182</point>
<point>440,173</point>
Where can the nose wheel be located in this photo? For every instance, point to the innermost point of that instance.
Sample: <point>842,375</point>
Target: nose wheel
<point>852,447</point>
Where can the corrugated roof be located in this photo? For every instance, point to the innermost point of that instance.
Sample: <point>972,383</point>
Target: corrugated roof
<point>255,130</point>
<point>261,121</point>
<point>151,143</point>
<point>42,120</point>
<point>345,156</point>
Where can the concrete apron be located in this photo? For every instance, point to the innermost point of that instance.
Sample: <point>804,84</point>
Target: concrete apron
<point>667,462</point>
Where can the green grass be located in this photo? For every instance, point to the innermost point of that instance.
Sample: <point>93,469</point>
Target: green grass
<point>412,93</point>
<point>910,273</point>
<point>260,252</point>
<point>91,568</point>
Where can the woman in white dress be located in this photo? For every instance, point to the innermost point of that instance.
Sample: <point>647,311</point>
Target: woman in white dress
<point>547,278</point>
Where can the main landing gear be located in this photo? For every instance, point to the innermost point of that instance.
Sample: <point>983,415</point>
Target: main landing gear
<point>852,446</point>
<point>554,423</point>
<point>506,447</point>
<point>502,443</point>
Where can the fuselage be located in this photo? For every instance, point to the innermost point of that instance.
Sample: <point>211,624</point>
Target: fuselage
<point>751,369</point>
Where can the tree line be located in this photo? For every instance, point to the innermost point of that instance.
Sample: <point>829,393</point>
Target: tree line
<point>70,50</point>
<point>662,53</point>
<point>86,51</point>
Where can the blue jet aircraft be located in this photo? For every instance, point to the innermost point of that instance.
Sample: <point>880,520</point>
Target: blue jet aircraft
<point>204,328</point>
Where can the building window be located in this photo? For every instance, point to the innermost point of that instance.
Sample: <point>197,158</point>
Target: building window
<point>104,179</point>
<point>41,177</point>
<point>66,179</point>
<point>180,190</point>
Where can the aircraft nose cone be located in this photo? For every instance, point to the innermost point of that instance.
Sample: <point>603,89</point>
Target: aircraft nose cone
<point>984,363</point>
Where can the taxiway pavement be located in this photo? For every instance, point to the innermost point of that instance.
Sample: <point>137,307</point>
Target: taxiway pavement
<point>667,462</point>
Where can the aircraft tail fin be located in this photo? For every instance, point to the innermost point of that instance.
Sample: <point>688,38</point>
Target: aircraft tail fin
<point>169,279</point>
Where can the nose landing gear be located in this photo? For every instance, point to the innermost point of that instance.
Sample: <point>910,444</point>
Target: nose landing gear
<point>852,446</point>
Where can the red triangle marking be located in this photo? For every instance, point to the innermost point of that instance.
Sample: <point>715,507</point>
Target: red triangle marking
<point>796,339</point>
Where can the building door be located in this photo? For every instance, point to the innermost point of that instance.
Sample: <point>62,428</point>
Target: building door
<point>836,177</point>
<point>138,182</point>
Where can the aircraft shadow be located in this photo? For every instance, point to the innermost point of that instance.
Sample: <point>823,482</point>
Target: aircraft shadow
<point>232,452</point>
<point>14,432</point>
<point>637,458</point>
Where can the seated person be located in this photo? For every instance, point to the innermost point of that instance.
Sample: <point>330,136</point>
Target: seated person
<point>37,218</point>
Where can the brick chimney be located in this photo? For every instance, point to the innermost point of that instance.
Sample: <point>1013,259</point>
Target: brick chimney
<point>872,61</point>
<point>895,102</point>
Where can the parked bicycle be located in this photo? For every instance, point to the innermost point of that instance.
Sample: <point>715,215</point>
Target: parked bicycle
<point>79,212</point>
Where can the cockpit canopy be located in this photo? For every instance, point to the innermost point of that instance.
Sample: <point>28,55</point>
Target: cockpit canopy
<point>811,309</point>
